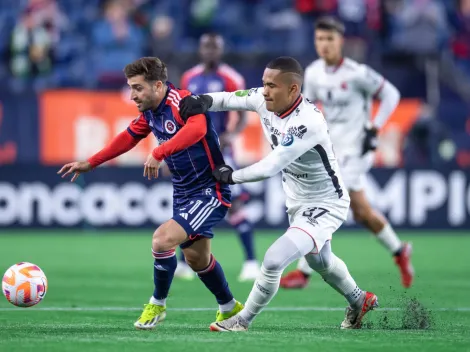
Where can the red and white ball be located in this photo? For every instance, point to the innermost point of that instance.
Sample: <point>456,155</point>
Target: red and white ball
<point>24,284</point>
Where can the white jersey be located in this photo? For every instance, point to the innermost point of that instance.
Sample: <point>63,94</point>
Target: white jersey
<point>302,148</point>
<point>346,93</point>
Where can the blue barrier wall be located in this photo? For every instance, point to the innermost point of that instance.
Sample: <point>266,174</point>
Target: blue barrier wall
<point>33,196</point>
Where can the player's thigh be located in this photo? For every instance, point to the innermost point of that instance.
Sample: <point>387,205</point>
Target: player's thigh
<point>198,254</point>
<point>320,220</point>
<point>197,217</point>
<point>359,203</point>
<point>168,235</point>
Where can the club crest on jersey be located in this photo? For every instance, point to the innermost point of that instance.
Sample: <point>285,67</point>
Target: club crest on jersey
<point>287,140</point>
<point>297,131</point>
<point>170,127</point>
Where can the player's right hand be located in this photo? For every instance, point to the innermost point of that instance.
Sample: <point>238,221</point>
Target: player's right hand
<point>76,168</point>
<point>194,105</point>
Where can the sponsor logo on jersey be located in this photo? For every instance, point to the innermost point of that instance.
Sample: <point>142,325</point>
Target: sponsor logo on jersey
<point>287,140</point>
<point>266,122</point>
<point>275,131</point>
<point>170,127</point>
<point>297,131</point>
<point>297,176</point>
<point>242,93</point>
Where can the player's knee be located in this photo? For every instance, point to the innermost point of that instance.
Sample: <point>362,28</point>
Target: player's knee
<point>273,261</point>
<point>196,261</point>
<point>162,241</point>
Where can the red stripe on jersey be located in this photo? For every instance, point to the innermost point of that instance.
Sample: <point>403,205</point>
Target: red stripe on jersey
<point>173,99</point>
<point>196,70</point>
<point>211,163</point>
<point>233,80</point>
<point>375,95</point>
<point>292,108</point>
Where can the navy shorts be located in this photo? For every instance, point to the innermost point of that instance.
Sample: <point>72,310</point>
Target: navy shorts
<point>197,216</point>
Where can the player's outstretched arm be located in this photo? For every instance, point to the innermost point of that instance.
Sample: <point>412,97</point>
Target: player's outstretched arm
<point>284,154</point>
<point>241,100</point>
<point>120,144</point>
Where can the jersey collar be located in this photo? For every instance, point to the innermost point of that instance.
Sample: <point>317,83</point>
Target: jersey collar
<point>333,69</point>
<point>162,104</point>
<point>292,108</point>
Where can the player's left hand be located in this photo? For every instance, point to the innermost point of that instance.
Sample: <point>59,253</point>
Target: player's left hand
<point>194,105</point>
<point>370,139</point>
<point>223,174</point>
<point>151,167</point>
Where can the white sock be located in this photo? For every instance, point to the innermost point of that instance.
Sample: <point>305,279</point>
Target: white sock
<point>288,248</point>
<point>354,298</point>
<point>263,291</point>
<point>158,302</point>
<point>389,239</point>
<point>303,266</point>
<point>227,307</point>
<point>336,275</point>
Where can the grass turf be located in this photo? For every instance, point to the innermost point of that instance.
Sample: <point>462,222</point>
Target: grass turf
<point>98,282</point>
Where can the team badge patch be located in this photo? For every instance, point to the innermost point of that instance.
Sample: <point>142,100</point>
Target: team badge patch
<point>287,140</point>
<point>170,127</point>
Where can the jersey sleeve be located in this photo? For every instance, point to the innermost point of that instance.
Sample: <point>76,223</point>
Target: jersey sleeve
<point>290,148</point>
<point>370,81</point>
<point>192,132</point>
<point>244,100</point>
<point>309,84</point>
<point>139,128</point>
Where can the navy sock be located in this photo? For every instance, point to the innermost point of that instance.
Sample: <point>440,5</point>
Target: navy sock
<point>163,271</point>
<point>245,232</point>
<point>214,278</point>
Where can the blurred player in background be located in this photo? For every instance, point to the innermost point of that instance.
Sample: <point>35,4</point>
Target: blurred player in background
<point>346,90</point>
<point>212,75</point>
<point>315,200</point>
<point>191,151</point>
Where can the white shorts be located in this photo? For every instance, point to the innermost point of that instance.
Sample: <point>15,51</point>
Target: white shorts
<point>354,170</point>
<point>319,219</point>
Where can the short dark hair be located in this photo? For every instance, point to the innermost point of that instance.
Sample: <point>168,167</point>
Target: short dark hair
<point>286,64</point>
<point>152,68</point>
<point>330,23</point>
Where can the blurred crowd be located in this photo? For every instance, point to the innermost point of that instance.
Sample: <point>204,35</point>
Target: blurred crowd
<point>422,46</point>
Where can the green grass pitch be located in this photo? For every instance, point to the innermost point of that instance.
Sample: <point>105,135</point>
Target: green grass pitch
<point>98,282</point>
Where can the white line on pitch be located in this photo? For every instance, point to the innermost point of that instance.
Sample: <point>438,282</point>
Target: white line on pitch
<point>273,309</point>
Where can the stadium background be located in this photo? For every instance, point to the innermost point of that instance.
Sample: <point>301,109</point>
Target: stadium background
<point>63,97</point>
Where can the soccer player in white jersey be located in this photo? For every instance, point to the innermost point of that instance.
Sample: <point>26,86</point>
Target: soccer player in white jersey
<point>317,203</point>
<point>346,89</point>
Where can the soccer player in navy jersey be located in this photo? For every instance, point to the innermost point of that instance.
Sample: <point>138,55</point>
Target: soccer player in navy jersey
<point>191,150</point>
<point>213,75</point>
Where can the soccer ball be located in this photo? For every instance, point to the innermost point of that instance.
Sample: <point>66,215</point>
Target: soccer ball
<point>24,284</point>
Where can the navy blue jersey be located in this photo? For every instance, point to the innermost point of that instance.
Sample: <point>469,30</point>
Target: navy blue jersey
<point>224,78</point>
<point>191,168</point>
